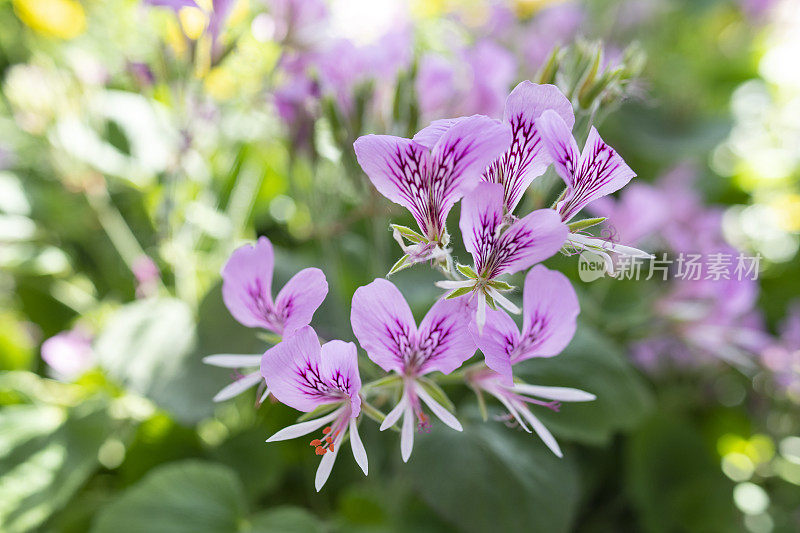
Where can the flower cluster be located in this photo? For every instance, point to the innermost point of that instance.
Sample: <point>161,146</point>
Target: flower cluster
<point>489,164</point>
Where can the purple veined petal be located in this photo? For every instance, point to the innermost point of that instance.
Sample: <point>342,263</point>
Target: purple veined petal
<point>430,135</point>
<point>443,414</point>
<point>237,387</point>
<point>395,414</point>
<point>383,324</point>
<point>300,298</point>
<point>601,172</point>
<point>225,360</point>
<point>247,285</point>
<point>562,394</point>
<point>407,433</point>
<point>398,168</point>
<point>443,339</point>
<point>527,158</point>
<point>459,158</point>
<point>326,464</point>
<point>542,431</point>
<point>560,144</point>
<point>359,452</point>
<point>292,370</point>
<point>339,366</point>
<point>481,218</point>
<point>498,341</point>
<point>549,316</point>
<point>527,241</point>
<point>304,428</point>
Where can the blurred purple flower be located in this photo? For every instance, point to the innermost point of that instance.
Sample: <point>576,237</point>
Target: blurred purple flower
<point>172,4</point>
<point>69,354</point>
<point>384,326</point>
<point>305,376</point>
<point>299,23</point>
<point>147,276</point>
<point>638,213</point>
<point>550,27</point>
<point>549,319</point>
<point>141,73</point>
<point>516,398</point>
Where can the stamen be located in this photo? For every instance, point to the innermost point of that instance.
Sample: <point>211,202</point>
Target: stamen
<point>320,450</point>
<point>330,447</point>
<point>315,442</point>
<point>424,425</point>
<point>326,430</point>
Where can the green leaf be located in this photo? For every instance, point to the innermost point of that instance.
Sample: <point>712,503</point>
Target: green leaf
<point>188,496</point>
<point>594,364</point>
<point>46,454</point>
<point>285,519</point>
<point>461,291</point>
<point>585,223</point>
<point>491,478</point>
<point>674,480</point>
<point>501,285</point>
<point>401,264</point>
<point>467,271</point>
<point>408,233</point>
<point>490,302</point>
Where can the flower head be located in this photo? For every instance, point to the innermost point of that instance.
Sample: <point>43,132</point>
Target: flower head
<point>385,328</point>
<point>526,158</point>
<point>591,174</point>
<point>304,375</point>
<point>517,397</point>
<point>247,292</point>
<point>499,248</point>
<point>68,353</point>
<point>429,173</point>
<point>549,315</point>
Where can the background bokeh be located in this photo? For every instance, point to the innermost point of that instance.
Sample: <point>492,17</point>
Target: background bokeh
<point>142,141</point>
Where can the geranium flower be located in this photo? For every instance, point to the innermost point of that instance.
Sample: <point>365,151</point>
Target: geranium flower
<point>498,248</point>
<point>526,158</point>
<point>429,173</point>
<point>517,397</point>
<point>247,293</point>
<point>385,328</point>
<point>595,172</point>
<point>549,314</point>
<point>306,376</point>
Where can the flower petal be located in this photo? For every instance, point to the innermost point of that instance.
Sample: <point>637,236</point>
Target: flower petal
<point>443,339</point>
<point>550,312</point>
<point>542,431</point>
<point>326,465</point>
<point>498,341</point>
<point>359,453</point>
<point>339,366</point>
<point>430,135</point>
<point>395,414</point>
<point>481,218</point>
<point>225,360</point>
<point>407,434</point>
<point>292,370</point>
<point>383,324</point>
<point>300,298</point>
<point>527,158</point>
<point>247,285</point>
<point>304,428</point>
<point>238,387</point>
<point>529,240</point>
<point>443,414</point>
<point>562,394</point>
<point>560,144</point>
<point>398,168</point>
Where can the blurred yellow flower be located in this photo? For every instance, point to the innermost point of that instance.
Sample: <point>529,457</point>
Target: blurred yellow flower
<point>526,8</point>
<point>193,21</point>
<point>63,19</point>
<point>220,84</point>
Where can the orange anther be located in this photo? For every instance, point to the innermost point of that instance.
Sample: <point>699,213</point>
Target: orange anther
<point>316,442</point>
<point>328,440</point>
<point>326,430</point>
<point>330,447</point>
<point>336,433</point>
<point>320,450</point>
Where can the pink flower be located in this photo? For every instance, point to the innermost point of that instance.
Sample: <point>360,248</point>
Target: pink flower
<point>549,315</point>
<point>247,292</point>
<point>305,376</point>
<point>429,173</point>
<point>385,328</point>
<point>498,248</point>
<point>68,353</point>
